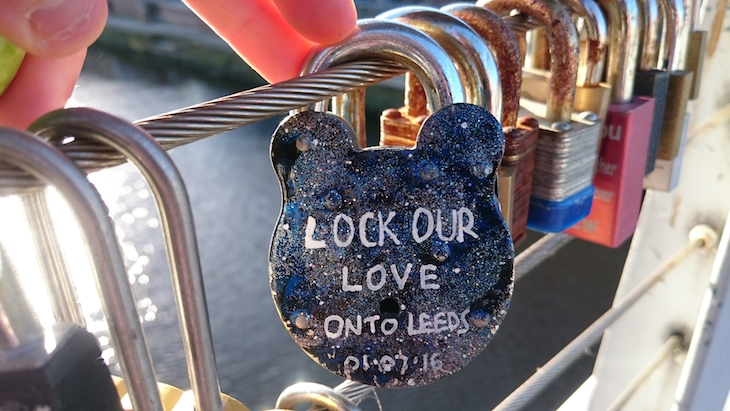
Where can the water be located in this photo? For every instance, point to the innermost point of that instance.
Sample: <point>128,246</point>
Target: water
<point>236,199</point>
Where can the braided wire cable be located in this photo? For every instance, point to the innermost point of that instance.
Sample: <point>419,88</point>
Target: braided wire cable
<point>190,124</point>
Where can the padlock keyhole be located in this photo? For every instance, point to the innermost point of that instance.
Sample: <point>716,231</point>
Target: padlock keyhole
<point>389,307</point>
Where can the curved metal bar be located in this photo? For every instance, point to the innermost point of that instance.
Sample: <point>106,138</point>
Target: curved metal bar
<point>47,164</point>
<point>404,44</point>
<point>677,31</point>
<point>590,73</point>
<point>318,394</point>
<point>504,45</point>
<point>18,324</point>
<point>190,124</point>
<point>177,225</point>
<point>473,59</point>
<point>563,40</point>
<point>623,50</point>
<point>652,21</point>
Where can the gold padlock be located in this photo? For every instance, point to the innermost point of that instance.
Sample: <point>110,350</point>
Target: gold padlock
<point>174,399</point>
<point>680,81</point>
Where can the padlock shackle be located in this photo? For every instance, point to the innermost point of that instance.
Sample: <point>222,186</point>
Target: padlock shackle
<point>178,228</point>
<point>590,69</point>
<point>313,393</point>
<point>673,54</point>
<point>18,324</point>
<point>623,50</point>
<point>651,29</point>
<point>505,46</point>
<point>563,40</point>
<point>49,165</point>
<point>473,59</point>
<point>419,53</point>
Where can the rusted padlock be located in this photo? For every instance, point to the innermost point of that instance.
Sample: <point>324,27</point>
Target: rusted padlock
<point>591,94</point>
<point>399,127</point>
<point>562,188</point>
<point>520,135</point>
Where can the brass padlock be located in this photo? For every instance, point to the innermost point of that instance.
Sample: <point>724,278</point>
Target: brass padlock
<point>400,127</point>
<point>696,51</point>
<point>591,93</point>
<point>649,81</point>
<point>696,48</point>
<point>671,58</point>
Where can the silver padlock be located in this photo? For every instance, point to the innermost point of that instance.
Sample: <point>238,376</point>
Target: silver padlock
<point>562,189</point>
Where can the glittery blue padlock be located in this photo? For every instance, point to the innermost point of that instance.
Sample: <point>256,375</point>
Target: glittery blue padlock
<point>391,266</point>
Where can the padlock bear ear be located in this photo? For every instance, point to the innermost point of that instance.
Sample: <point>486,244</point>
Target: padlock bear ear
<point>322,136</point>
<point>462,132</point>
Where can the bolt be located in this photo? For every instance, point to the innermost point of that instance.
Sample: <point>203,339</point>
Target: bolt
<point>301,319</point>
<point>561,127</point>
<point>479,318</point>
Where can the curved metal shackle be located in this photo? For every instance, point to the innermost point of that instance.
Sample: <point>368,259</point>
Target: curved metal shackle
<point>473,59</point>
<point>178,228</point>
<point>49,165</point>
<point>505,46</point>
<point>318,394</point>
<point>414,49</point>
<point>563,41</point>
<point>675,15</point>
<point>591,71</point>
<point>623,50</point>
<point>651,31</point>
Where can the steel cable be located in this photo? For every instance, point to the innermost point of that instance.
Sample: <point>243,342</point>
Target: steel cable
<point>190,124</point>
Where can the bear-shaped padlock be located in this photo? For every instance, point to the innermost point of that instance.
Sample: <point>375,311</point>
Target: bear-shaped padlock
<point>392,266</point>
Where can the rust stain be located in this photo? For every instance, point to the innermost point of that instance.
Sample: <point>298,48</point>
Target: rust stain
<point>675,209</point>
<point>504,44</point>
<point>563,40</point>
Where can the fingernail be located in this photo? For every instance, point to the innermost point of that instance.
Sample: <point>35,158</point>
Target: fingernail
<point>57,20</point>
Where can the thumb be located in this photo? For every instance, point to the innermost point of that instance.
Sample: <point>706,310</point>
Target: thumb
<point>52,28</point>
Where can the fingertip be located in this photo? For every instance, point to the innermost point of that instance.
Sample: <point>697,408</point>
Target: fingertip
<point>320,21</point>
<point>41,85</point>
<point>257,31</point>
<point>53,28</point>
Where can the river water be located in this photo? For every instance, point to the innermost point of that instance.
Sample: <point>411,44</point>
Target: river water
<point>235,197</point>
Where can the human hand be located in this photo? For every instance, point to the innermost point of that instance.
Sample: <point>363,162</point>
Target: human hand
<point>273,36</point>
<point>55,34</point>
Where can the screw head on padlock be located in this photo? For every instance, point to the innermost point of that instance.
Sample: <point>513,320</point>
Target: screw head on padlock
<point>391,266</point>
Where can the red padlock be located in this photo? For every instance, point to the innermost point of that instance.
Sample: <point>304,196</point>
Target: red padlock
<point>627,128</point>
